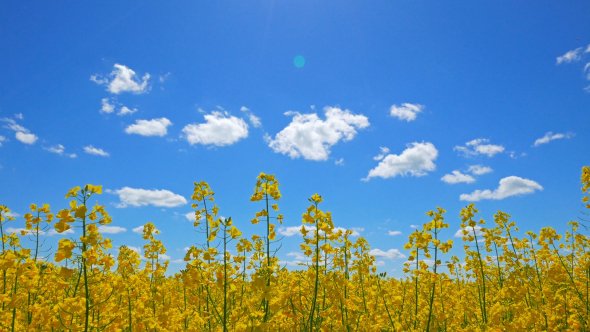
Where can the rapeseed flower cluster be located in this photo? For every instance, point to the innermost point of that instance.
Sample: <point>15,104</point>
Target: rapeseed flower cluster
<point>537,282</point>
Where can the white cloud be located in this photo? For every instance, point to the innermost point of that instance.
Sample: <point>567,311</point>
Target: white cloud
<point>406,111</point>
<point>13,125</point>
<point>190,216</point>
<point>2,139</point>
<point>59,149</point>
<point>416,160</point>
<point>384,152</point>
<point>339,162</point>
<point>469,229</point>
<point>475,147</point>
<point>51,232</point>
<point>125,110</point>
<point>414,226</point>
<point>479,169</point>
<point>19,116</point>
<point>550,137</point>
<point>389,254</point>
<point>573,55</point>
<point>140,197</point>
<point>13,214</point>
<point>296,230</point>
<point>111,229</point>
<point>26,138</point>
<point>309,136</point>
<point>457,177</point>
<point>298,258</point>
<point>92,150</point>
<point>136,249</point>
<point>220,129</point>
<point>254,120</point>
<point>394,233</point>
<point>379,263</point>
<point>123,79</point>
<point>163,78</point>
<point>509,186</point>
<point>106,106</point>
<point>178,261</point>
<point>154,127</point>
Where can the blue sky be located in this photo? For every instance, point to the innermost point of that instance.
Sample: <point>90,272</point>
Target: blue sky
<point>399,108</point>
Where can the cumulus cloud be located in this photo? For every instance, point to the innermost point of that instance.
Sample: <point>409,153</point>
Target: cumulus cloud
<point>509,186</point>
<point>190,216</point>
<point>389,254</point>
<point>469,229</point>
<point>298,258</point>
<point>311,137</point>
<point>51,232</point>
<point>416,160</point>
<point>106,106</point>
<point>154,127</point>
<point>111,229</point>
<point>141,197</point>
<point>478,146</point>
<point>26,138</point>
<point>59,149</point>
<point>95,151</point>
<point>139,230</point>
<point>220,129</point>
<point>384,152</point>
<point>394,233</point>
<point>296,230</point>
<point>457,177</point>
<point>123,79</point>
<point>254,120</point>
<point>573,55</point>
<point>479,169</point>
<point>22,133</point>
<point>406,111</point>
<point>550,137</point>
<point>125,110</point>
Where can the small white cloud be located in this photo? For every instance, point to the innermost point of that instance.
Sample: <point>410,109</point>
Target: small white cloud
<point>138,230</point>
<point>111,229</point>
<point>479,169</point>
<point>19,116</point>
<point>573,55</point>
<point>59,149</point>
<point>178,261</point>
<point>163,78</point>
<point>219,129</point>
<point>384,152</point>
<point>13,125</point>
<point>309,136</point>
<point>414,226</point>
<point>26,138</point>
<point>379,263</point>
<point>406,111</point>
<point>550,137</point>
<point>469,229</point>
<point>509,186</point>
<point>476,147</point>
<point>53,232</point>
<point>416,160</point>
<point>142,197</point>
<point>13,214</point>
<point>154,127</point>
<point>190,216</point>
<point>106,106</point>
<point>457,177</point>
<point>394,233</point>
<point>254,120</point>
<point>296,230</point>
<point>136,249</point>
<point>339,162</point>
<point>95,151</point>
<point>389,254</point>
<point>123,79</point>
<point>2,139</point>
<point>125,110</point>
